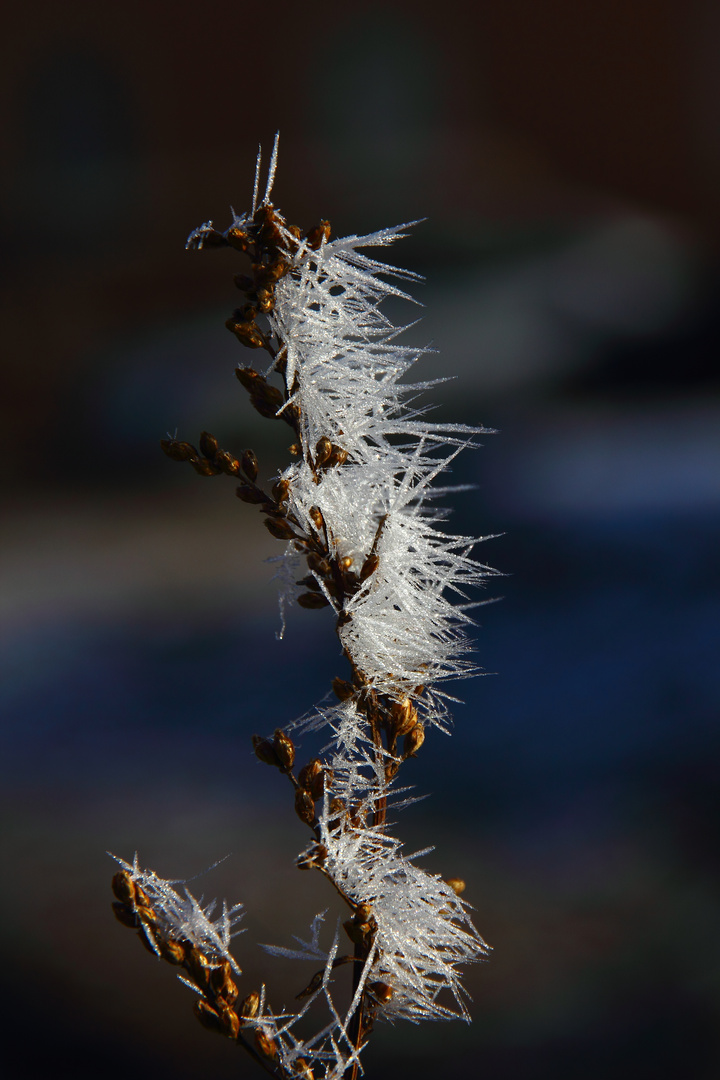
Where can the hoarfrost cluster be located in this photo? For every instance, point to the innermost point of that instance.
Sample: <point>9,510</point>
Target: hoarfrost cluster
<point>358,507</point>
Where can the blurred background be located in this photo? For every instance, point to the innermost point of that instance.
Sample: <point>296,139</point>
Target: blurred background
<point>567,158</point>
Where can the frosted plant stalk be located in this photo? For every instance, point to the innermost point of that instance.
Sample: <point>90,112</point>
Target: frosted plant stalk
<point>364,538</point>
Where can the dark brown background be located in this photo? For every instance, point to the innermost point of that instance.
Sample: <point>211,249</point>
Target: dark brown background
<point>566,156</point>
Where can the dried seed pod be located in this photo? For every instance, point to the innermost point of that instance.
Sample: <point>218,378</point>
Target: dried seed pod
<point>342,688</point>
<point>309,582</point>
<point>312,600</point>
<point>284,748</point>
<point>413,740</point>
<point>317,564</point>
<point>280,491</point>
<point>404,717</point>
<point>369,566</point>
<point>309,772</point>
<point>249,377</point>
<point>316,856</point>
<point>392,768</point>
<point>229,1020</point>
<point>244,283</point>
<point>250,494</point>
<point>304,806</point>
<point>317,235</point>
<point>265,300</point>
<point>204,467</point>
<point>382,992</point>
<point>265,1043</point>
<point>265,407</point>
<point>338,456</point>
<point>323,450</point>
<point>178,451</point>
<point>323,780</point>
<point>247,333</point>
<point>125,915</point>
<point>294,450</point>
<point>316,516</point>
<point>124,887</point>
<point>312,986</point>
<point>280,528</point>
<point>208,444</point>
<point>265,751</point>
<point>223,984</point>
<point>237,238</point>
<point>208,1017</point>
<point>303,1070</point>
<point>249,465</point>
<point>197,965</point>
<point>227,463</point>
<point>171,950</point>
<point>249,1006</point>
<point>456,884</point>
<point>359,933</point>
<point>337,809</point>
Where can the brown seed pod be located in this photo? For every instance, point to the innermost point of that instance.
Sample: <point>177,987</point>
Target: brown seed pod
<point>284,748</point>
<point>369,566</point>
<point>264,407</point>
<point>309,772</point>
<point>249,1006</point>
<point>382,992</point>
<point>227,463</point>
<point>304,806</point>
<point>247,333</point>
<point>265,1043</point>
<point>312,600</point>
<point>251,494</point>
<point>178,451</point>
<point>171,950</point>
<point>223,984</point>
<point>265,300</point>
<point>456,884</point>
<point>413,740</point>
<point>323,450</point>
<point>280,491</point>
<point>198,966</point>
<point>265,751</point>
<point>249,377</point>
<point>244,283</point>
<point>303,1070</point>
<point>342,688</point>
<point>312,986</point>
<point>204,467</point>
<point>316,856</point>
<point>208,1017</point>
<point>237,238</point>
<point>249,465</point>
<point>323,780</point>
<point>317,564</point>
<point>316,516</point>
<point>280,528</point>
<point>125,915</point>
<point>229,1021</point>
<point>346,562</point>
<point>124,887</point>
<point>404,717</point>
<point>318,234</point>
<point>338,456</point>
<point>208,444</point>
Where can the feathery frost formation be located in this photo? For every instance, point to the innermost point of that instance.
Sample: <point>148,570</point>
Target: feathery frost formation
<point>360,495</point>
